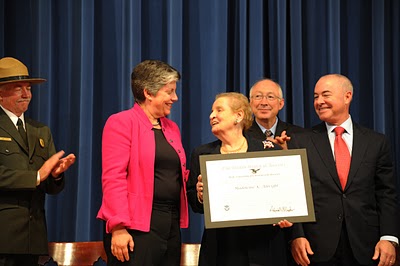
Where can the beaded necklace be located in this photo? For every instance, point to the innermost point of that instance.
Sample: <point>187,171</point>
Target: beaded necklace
<point>235,150</point>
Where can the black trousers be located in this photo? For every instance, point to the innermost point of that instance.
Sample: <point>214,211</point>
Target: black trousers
<point>161,246</point>
<point>344,255</point>
<point>18,260</point>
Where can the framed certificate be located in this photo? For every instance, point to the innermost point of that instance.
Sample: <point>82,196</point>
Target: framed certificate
<point>256,188</point>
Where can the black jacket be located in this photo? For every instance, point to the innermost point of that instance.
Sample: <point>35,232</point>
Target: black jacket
<point>261,245</point>
<point>367,206</point>
<point>255,131</point>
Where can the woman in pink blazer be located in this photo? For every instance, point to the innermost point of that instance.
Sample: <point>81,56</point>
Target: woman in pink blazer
<point>144,174</point>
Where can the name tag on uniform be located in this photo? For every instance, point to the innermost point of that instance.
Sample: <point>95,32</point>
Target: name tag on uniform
<point>5,139</point>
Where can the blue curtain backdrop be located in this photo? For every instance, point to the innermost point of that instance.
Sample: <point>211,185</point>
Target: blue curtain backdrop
<point>87,48</point>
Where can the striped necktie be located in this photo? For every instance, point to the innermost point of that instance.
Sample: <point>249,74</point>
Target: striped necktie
<point>268,133</point>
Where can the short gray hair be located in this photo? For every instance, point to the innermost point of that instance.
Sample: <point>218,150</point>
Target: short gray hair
<point>151,75</point>
<point>277,84</point>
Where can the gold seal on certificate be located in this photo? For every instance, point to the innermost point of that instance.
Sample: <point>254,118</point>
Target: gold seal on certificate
<point>256,188</point>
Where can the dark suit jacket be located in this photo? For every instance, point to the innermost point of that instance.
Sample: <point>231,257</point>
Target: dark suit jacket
<point>255,131</point>
<point>368,204</point>
<point>263,245</point>
<point>22,214</point>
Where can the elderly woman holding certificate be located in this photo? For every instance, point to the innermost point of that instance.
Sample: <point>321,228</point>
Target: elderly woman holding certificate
<point>230,117</point>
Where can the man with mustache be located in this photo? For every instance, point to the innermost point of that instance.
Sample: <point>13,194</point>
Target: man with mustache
<point>29,168</point>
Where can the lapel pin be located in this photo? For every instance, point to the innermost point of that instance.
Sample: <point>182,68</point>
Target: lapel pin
<point>41,142</point>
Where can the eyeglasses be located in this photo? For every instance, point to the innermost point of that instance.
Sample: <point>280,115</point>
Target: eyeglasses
<point>269,97</point>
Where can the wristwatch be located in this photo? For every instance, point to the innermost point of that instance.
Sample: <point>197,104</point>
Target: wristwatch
<point>395,244</point>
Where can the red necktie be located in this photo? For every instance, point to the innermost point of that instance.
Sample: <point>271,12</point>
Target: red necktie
<point>342,157</point>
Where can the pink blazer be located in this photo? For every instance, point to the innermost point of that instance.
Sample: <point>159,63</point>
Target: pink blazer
<point>128,155</point>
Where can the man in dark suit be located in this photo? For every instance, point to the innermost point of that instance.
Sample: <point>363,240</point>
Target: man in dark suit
<point>266,100</point>
<point>356,207</point>
<point>29,168</point>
